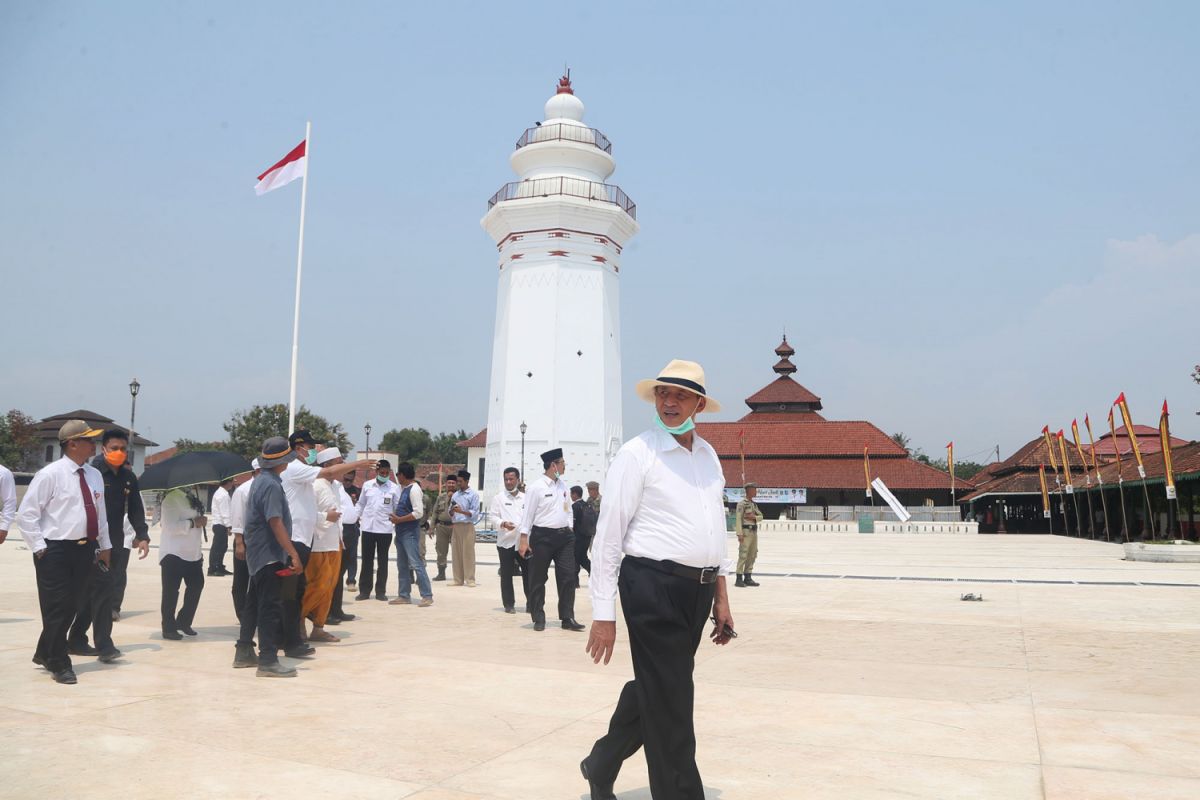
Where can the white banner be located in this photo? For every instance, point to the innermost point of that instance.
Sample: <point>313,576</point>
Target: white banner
<point>790,496</point>
<point>900,511</point>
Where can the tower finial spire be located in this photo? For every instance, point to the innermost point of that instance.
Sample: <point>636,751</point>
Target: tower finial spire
<point>564,83</point>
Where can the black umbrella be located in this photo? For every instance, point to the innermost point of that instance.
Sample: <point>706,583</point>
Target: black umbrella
<point>188,469</point>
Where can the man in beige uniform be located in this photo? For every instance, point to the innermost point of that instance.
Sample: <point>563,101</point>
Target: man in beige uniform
<point>441,525</point>
<point>745,522</point>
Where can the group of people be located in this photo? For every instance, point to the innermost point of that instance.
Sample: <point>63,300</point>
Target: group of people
<point>659,542</point>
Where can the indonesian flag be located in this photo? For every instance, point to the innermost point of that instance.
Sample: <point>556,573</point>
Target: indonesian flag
<point>286,170</point>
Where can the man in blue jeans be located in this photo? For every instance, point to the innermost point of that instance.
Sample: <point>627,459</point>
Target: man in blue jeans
<point>407,519</point>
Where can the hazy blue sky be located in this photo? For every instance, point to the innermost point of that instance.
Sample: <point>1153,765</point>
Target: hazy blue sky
<point>972,219</point>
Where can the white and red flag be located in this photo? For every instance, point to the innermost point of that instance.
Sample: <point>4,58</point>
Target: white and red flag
<point>286,170</point>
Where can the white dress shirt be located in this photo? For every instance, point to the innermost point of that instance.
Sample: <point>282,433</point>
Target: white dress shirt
<point>220,507</point>
<point>179,537</point>
<point>547,505</point>
<point>376,502</point>
<point>237,508</point>
<point>506,507</point>
<point>661,501</point>
<point>328,536</point>
<point>8,498</point>
<point>349,510</point>
<point>53,509</point>
<point>298,481</point>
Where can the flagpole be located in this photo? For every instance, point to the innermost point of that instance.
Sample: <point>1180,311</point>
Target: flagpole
<point>299,269</point>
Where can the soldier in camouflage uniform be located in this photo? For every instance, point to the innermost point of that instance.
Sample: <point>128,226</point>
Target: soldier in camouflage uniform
<point>441,526</point>
<point>745,522</point>
<point>593,498</point>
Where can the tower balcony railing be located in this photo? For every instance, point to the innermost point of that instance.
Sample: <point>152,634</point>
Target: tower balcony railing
<point>570,187</point>
<point>560,131</point>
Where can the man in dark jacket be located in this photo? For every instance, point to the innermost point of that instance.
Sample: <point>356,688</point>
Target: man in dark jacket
<point>584,526</point>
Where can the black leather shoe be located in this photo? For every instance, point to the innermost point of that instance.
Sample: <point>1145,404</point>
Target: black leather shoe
<point>110,656</point>
<point>381,596</point>
<point>303,651</point>
<point>509,610</point>
<point>82,650</point>
<point>174,636</point>
<point>344,617</point>
<point>362,596</point>
<point>65,676</point>
<point>187,629</point>
<point>572,625</point>
<point>598,791</point>
<point>539,626</point>
<point>41,662</point>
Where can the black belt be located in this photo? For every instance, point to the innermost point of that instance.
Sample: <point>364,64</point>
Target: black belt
<point>537,528</point>
<point>701,574</point>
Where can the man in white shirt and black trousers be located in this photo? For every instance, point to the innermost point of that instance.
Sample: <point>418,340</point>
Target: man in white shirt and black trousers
<point>221,518</point>
<point>664,512</point>
<point>504,514</point>
<point>63,521</point>
<point>545,534</point>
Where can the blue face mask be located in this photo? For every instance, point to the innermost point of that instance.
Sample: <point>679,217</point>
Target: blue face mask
<point>381,478</point>
<point>686,426</point>
<point>311,458</point>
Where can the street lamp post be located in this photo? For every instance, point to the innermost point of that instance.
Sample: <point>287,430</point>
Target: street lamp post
<point>134,388</point>
<point>367,431</point>
<point>524,428</point>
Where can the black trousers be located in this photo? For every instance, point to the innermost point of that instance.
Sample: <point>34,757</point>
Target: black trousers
<point>335,605</point>
<point>263,612</point>
<point>120,571</point>
<point>241,585</point>
<point>291,593</point>
<point>62,577</point>
<point>175,571</point>
<point>216,553</point>
<point>665,615</point>
<point>557,544</point>
<point>512,564</point>
<point>375,547</point>
<point>582,543</point>
<point>350,554</point>
<point>96,604</point>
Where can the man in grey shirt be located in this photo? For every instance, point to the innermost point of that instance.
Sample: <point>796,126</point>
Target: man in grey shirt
<point>269,550</point>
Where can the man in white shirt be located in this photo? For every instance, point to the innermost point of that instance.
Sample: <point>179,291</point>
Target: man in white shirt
<point>180,560</point>
<point>8,501</point>
<point>347,494</point>
<point>321,572</point>
<point>298,479</point>
<point>504,514</point>
<point>545,535</point>
<point>237,525</point>
<point>220,526</point>
<point>664,511</point>
<point>377,502</point>
<point>64,524</point>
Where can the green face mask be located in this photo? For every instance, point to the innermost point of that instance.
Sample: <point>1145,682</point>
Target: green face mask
<point>311,458</point>
<point>686,426</point>
<point>381,478</point>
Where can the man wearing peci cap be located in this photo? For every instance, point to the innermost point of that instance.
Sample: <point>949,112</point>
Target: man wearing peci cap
<point>664,512</point>
<point>745,523</point>
<point>376,503</point>
<point>545,535</point>
<point>269,551</point>
<point>465,513</point>
<point>65,525</point>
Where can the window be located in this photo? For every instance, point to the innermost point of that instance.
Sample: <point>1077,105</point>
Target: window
<point>480,471</point>
<point>49,453</point>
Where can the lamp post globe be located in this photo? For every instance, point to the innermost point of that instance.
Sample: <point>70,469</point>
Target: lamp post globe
<point>134,388</point>
<point>367,431</point>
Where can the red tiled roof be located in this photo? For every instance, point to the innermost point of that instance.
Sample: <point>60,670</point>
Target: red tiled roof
<point>478,440</point>
<point>838,473</point>
<point>1148,442</point>
<point>1033,453</point>
<point>783,390</point>
<point>761,415</point>
<point>799,439</point>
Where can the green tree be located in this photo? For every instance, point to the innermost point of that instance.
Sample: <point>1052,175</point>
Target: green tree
<point>902,440</point>
<point>18,440</point>
<point>409,444</point>
<point>962,469</point>
<point>188,445</point>
<point>446,450</point>
<point>249,429</point>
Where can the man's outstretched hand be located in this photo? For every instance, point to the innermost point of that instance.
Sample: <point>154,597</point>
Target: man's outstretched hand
<point>601,640</point>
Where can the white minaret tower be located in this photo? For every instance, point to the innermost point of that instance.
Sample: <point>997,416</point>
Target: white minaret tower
<point>556,357</point>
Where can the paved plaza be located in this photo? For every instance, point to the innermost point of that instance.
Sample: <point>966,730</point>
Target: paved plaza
<point>859,673</point>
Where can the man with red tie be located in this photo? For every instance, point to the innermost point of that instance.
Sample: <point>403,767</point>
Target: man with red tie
<point>63,521</point>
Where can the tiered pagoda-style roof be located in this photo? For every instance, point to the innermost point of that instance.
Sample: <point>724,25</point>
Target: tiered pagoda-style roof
<point>783,398</point>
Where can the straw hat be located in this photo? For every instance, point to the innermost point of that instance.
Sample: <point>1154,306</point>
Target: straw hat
<point>683,374</point>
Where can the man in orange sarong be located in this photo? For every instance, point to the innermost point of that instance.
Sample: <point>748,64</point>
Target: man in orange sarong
<point>324,565</point>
